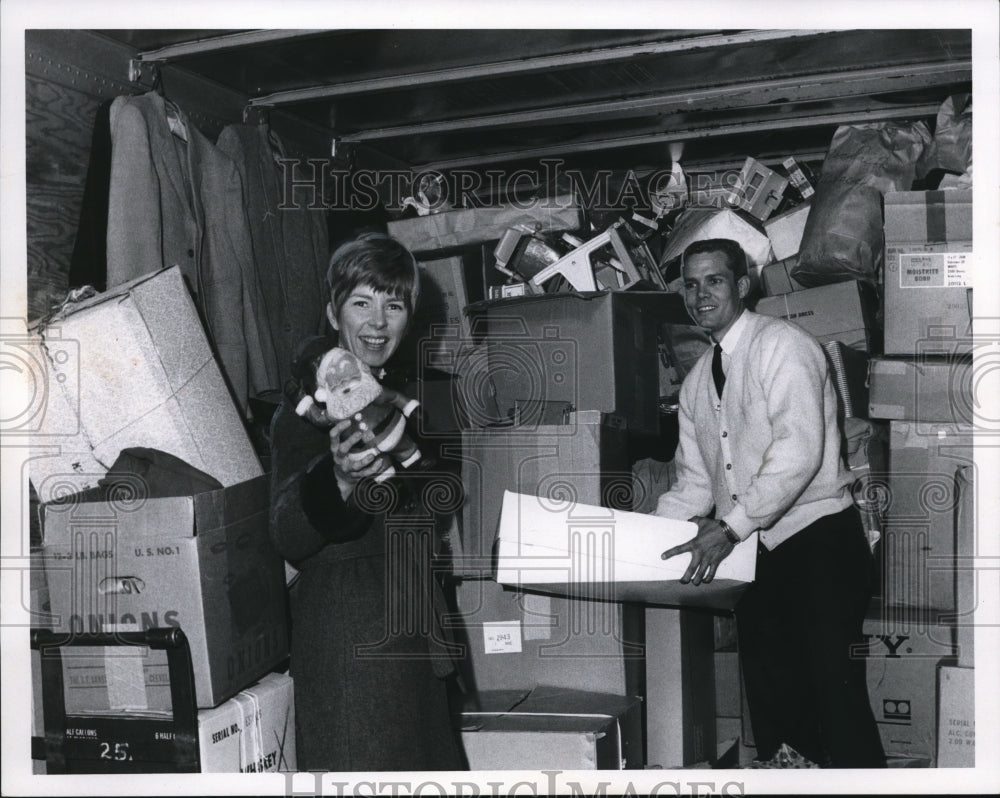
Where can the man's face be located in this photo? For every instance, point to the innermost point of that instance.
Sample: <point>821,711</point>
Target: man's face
<point>713,295</point>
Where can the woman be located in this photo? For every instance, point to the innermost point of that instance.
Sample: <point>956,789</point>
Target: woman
<point>367,654</point>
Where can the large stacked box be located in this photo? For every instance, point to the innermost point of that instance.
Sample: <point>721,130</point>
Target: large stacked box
<point>924,386</point>
<point>516,639</point>
<point>132,368</point>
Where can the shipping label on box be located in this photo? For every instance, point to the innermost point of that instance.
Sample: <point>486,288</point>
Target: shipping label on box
<point>956,739</point>
<point>203,563</point>
<point>919,541</point>
<point>902,658</point>
<point>252,732</point>
<point>571,548</point>
<point>134,368</point>
<point>838,312</point>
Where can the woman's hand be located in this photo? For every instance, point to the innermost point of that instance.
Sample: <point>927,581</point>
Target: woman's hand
<point>352,468</point>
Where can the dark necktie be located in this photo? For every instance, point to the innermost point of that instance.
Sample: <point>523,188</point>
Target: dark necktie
<point>717,373</point>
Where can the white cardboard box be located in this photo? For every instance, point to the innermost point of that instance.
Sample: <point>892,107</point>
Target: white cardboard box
<point>570,548</point>
<point>956,718</point>
<point>133,367</point>
<point>553,728</point>
<point>252,732</point>
<point>785,230</point>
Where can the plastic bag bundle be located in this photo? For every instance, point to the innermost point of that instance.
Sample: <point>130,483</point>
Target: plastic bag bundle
<point>843,237</point>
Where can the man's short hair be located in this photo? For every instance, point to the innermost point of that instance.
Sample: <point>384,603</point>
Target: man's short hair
<point>736,258</point>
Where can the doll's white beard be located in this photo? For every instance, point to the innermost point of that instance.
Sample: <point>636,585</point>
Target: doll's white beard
<point>340,406</point>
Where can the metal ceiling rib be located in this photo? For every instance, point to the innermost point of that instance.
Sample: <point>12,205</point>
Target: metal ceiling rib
<point>220,44</point>
<point>797,89</point>
<point>436,99</point>
<point>523,66</point>
<point>687,134</point>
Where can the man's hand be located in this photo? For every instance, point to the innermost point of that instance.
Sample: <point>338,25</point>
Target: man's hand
<point>708,548</point>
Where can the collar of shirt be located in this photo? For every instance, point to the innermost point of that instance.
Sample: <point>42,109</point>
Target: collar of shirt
<point>732,337</point>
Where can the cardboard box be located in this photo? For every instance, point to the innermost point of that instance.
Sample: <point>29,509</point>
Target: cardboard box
<point>785,231</point>
<point>519,641</point>
<point>956,740</point>
<point>133,368</point>
<point>680,688</point>
<point>252,732</point>
<point>902,658</point>
<point>919,544</point>
<point>571,548</point>
<point>776,278</point>
<point>928,270</point>
<point>459,228</point>
<point>553,729</point>
<point>966,577</point>
<point>204,563</point>
<point>838,312</point>
<point>930,389</point>
<point>594,351</point>
<point>728,692</point>
<point>441,313</point>
<point>586,458</point>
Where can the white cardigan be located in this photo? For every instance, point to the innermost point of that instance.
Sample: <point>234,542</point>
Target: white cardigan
<point>768,455</point>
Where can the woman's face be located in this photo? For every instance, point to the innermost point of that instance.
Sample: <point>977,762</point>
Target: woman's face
<point>371,324</point>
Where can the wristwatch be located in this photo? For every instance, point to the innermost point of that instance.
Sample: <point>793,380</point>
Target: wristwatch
<point>730,532</point>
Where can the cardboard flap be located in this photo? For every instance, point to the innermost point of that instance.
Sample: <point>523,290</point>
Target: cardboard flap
<point>218,508</point>
<point>114,292</point>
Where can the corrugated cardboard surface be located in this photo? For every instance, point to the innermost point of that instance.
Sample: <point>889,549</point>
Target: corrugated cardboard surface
<point>925,389</point>
<point>966,577</point>
<point>551,640</point>
<point>920,534</point>
<point>562,729</point>
<point>680,688</point>
<point>956,718</point>
<point>776,278</point>
<point>596,351</point>
<point>203,563</point>
<point>928,270</point>
<point>838,312</point>
<point>903,655</point>
<point>585,460</point>
<point>252,732</point>
<point>140,373</point>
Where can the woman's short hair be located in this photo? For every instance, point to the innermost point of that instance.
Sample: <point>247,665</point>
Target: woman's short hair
<point>377,261</point>
<point>736,258</point>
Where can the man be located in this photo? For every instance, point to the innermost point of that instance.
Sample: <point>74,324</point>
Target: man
<point>759,443</point>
